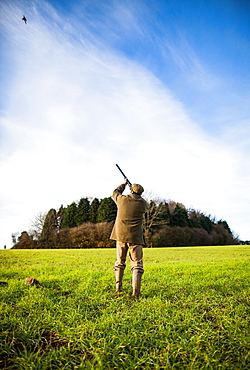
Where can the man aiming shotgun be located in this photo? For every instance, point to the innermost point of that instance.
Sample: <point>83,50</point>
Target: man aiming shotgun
<point>128,233</point>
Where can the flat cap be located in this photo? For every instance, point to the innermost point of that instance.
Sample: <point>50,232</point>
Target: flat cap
<point>138,189</point>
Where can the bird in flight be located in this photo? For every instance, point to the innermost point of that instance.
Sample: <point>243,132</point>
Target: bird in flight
<point>24,19</point>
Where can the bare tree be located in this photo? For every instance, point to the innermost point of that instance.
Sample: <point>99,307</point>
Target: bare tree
<point>37,225</point>
<point>156,215</point>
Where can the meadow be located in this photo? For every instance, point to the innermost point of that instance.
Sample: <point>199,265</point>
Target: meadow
<point>193,312</point>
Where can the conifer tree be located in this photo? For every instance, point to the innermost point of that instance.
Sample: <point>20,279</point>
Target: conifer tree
<point>194,219</point>
<point>48,235</point>
<point>83,210</point>
<point>225,225</point>
<point>164,214</point>
<point>179,217</point>
<point>107,210</point>
<point>94,210</point>
<point>206,223</point>
<point>69,219</point>
<point>60,216</point>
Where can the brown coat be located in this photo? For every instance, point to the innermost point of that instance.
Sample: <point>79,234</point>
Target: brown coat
<point>128,227</point>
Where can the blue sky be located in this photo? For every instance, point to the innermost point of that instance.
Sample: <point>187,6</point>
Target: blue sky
<point>160,87</point>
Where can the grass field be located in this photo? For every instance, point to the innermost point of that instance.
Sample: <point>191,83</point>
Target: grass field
<point>194,312</point>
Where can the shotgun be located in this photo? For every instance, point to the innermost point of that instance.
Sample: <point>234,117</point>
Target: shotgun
<point>123,174</point>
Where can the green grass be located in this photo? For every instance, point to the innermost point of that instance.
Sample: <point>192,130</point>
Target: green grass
<point>194,312</point>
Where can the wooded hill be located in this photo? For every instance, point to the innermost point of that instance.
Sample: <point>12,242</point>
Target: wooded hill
<point>88,224</point>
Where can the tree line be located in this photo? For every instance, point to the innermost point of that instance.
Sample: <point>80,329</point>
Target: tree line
<point>88,224</point>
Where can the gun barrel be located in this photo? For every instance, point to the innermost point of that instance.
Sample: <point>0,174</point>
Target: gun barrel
<point>123,174</point>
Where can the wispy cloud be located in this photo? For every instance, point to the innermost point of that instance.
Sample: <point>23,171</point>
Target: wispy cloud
<point>190,65</point>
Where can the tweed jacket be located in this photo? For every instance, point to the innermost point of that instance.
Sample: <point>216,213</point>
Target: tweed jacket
<point>128,227</point>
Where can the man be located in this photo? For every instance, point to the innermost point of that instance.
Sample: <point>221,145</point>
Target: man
<point>128,233</point>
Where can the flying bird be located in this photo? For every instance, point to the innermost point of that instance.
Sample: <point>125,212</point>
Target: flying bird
<point>24,19</point>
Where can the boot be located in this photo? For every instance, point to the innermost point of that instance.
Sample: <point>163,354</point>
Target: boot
<point>118,278</point>
<point>136,282</point>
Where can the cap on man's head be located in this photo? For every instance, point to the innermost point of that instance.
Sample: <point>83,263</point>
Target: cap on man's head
<point>138,189</point>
